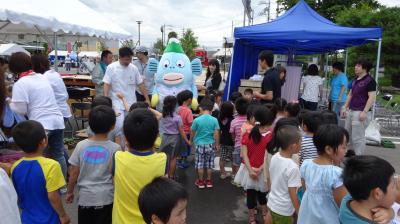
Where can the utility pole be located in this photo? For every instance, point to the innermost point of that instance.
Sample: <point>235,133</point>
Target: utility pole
<point>232,29</point>
<point>269,10</point>
<point>139,22</point>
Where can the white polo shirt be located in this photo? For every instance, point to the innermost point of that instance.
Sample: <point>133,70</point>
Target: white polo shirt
<point>60,91</point>
<point>122,79</point>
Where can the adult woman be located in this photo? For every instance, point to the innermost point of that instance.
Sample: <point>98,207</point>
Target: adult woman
<point>312,88</point>
<point>213,76</point>
<point>32,95</point>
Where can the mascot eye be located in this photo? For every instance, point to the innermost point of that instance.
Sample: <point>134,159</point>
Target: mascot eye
<point>180,63</point>
<point>166,64</point>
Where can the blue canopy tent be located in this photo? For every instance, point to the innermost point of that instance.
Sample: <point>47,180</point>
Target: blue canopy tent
<point>299,31</point>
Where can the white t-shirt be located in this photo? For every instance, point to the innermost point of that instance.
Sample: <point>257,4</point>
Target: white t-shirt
<point>9,212</point>
<point>122,79</point>
<point>35,90</point>
<point>311,88</point>
<point>60,91</point>
<point>284,173</point>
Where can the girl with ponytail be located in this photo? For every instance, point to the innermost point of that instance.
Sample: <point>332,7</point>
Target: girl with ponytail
<point>250,175</point>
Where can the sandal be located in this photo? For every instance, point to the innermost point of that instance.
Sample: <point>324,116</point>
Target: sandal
<point>252,216</point>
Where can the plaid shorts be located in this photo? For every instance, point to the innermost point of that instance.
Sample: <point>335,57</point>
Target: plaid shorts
<point>226,152</point>
<point>204,156</point>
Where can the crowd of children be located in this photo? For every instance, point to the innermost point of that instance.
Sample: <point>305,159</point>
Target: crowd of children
<point>290,162</point>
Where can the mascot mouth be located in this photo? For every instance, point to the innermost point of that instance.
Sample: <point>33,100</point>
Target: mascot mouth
<point>173,78</point>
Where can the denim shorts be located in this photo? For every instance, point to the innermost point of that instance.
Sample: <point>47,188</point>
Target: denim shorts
<point>236,159</point>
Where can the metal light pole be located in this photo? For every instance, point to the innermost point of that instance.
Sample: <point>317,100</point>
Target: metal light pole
<point>139,22</point>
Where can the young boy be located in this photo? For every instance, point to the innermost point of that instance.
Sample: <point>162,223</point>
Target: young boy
<point>205,133</point>
<point>36,179</point>
<point>248,94</point>
<point>184,101</point>
<point>311,122</point>
<point>90,168</point>
<point>285,176</point>
<point>241,106</point>
<point>370,182</point>
<point>163,201</point>
<point>137,167</point>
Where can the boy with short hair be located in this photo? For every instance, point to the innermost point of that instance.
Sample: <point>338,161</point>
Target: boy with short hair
<point>205,136</point>
<point>310,123</point>
<point>370,182</point>
<point>90,169</point>
<point>184,101</point>
<point>163,201</point>
<point>241,106</point>
<point>36,179</point>
<point>248,94</point>
<point>285,176</point>
<point>137,167</point>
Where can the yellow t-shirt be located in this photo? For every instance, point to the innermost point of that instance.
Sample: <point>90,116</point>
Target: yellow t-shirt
<point>132,171</point>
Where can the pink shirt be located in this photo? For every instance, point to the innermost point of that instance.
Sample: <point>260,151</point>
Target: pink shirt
<point>187,118</point>
<point>236,126</point>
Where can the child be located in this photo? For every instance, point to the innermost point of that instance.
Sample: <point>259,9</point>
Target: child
<point>329,117</point>
<point>280,105</point>
<point>234,96</point>
<point>184,101</point>
<point>292,109</point>
<point>163,201</point>
<point>322,177</point>
<point>251,175</point>
<point>135,168</point>
<point>372,189</point>
<point>396,205</point>
<point>285,176</point>
<point>36,179</point>
<point>172,129</point>
<point>205,137</point>
<point>241,106</point>
<point>225,119</point>
<point>311,121</point>
<point>90,167</point>
<point>248,94</point>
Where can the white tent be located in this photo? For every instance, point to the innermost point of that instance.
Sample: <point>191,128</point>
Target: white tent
<point>41,17</point>
<point>90,54</point>
<point>8,49</point>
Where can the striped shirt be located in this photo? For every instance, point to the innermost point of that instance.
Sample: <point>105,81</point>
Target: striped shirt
<point>236,126</point>
<point>308,150</point>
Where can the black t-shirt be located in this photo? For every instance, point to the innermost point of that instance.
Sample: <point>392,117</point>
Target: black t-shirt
<point>226,137</point>
<point>271,82</point>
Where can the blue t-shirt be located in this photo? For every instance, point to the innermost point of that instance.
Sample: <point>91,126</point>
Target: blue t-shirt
<point>337,82</point>
<point>33,179</point>
<point>347,215</point>
<point>205,126</point>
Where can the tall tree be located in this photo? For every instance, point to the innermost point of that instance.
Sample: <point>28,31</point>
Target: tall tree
<point>189,41</point>
<point>328,8</point>
<point>128,43</point>
<point>158,46</point>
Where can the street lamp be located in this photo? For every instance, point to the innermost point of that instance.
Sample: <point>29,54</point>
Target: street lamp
<point>139,22</point>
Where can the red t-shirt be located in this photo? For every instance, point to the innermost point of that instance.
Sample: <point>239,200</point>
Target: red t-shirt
<point>256,152</point>
<point>187,118</point>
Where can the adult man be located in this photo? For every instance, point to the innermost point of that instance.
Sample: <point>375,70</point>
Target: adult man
<point>99,71</point>
<point>122,77</point>
<point>272,82</point>
<point>67,62</point>
<point>359,101</point>
<point>339,83</point>
<point>141,64</point>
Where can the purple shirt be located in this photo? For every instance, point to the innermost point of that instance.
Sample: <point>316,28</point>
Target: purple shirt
<point>171,125</point>
<point>359,92</point>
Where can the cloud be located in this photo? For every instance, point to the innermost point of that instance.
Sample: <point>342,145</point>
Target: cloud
<point>211,20</point>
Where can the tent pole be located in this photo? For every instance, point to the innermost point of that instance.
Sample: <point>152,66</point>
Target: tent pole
<point>345,62</point>
<point>230,75</point>
<point>326,76</point>
<point>378,60</point>
<point>55,53</point>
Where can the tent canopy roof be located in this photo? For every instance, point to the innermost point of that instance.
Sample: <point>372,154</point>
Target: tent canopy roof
<point>301,30</point>
<point>9,49</point>
<point>70,16</point>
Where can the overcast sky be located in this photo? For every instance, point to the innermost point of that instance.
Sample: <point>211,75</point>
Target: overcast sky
<point>211,20</point>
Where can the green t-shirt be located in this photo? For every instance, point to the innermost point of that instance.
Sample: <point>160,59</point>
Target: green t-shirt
<point>204,126</point>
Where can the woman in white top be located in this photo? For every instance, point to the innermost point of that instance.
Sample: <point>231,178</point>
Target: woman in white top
<point>33,96</point>
<point>312,88</point>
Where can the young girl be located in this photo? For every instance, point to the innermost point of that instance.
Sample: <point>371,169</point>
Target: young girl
<point>279,105</point>
<point>321,177</point>
<point>225,118</point>
<point>250,176</point>
<point>172,129</point>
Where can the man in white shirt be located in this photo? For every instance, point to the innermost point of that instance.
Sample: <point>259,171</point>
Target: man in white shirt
<point>99,71</point>
<point>122,77</point>
<point>141,64</point>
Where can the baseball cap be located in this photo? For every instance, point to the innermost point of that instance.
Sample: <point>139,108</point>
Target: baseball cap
<point>141,49</point>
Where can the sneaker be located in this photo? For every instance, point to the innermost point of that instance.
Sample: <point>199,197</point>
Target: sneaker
<point>225,175</point>
<point>200,184</point>
<point>209,184</point>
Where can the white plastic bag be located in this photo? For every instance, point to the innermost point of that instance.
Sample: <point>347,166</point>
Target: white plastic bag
<point>372,132</point>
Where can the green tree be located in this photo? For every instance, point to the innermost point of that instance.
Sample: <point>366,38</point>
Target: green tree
<point>158,46</point>
<point>189,41</point>
<point>389,20</point>
<point>328,8</point>
<point>128,43</point>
